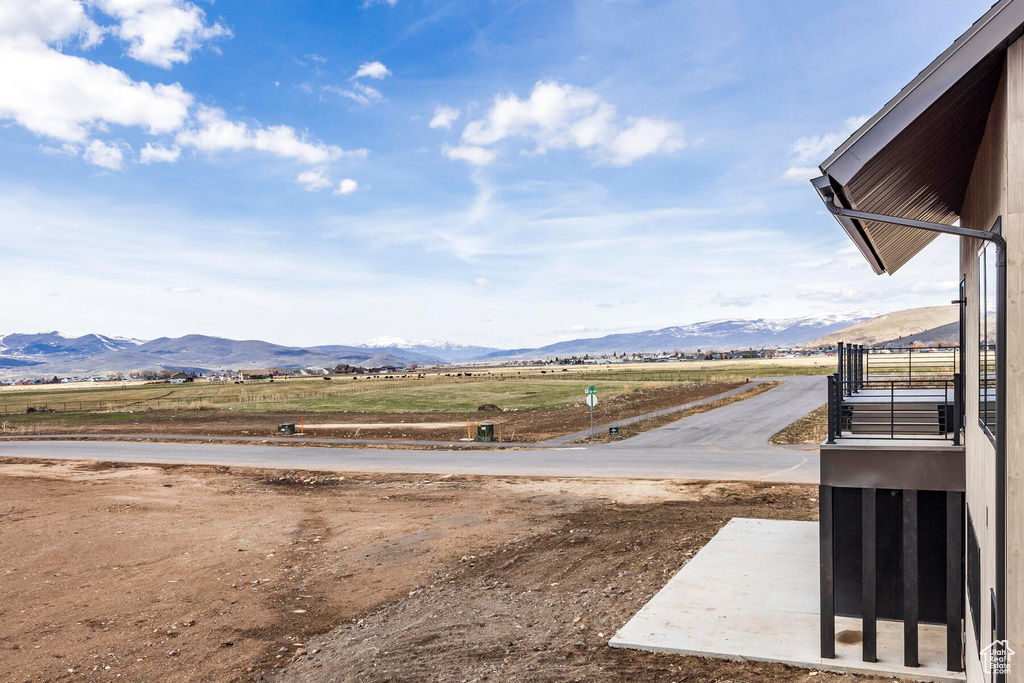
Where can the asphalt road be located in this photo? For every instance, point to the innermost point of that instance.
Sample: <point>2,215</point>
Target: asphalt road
<point>727,443</point>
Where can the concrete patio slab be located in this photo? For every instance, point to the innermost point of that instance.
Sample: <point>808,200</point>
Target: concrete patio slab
<point>752,593</point>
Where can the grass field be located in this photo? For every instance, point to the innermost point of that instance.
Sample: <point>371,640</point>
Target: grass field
<point>509,388</point>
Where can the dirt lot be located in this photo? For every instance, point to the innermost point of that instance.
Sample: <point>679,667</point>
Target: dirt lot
<point>208,574</point>
<point>520,425</point>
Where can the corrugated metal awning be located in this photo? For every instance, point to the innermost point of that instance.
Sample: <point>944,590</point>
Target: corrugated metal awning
<point>913,159</point>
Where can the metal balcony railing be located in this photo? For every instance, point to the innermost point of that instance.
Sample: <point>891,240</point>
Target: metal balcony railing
<point>895,394</point>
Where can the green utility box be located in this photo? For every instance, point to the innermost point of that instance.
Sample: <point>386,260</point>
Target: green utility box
<point>288,428</point>
<point>485,432</point>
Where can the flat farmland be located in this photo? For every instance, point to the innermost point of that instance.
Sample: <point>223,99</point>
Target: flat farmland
<point>527,404</point>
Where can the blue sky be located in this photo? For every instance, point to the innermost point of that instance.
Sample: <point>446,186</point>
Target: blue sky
<point>497,173</point>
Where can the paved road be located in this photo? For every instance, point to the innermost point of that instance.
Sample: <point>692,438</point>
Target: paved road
<point>727,443</point>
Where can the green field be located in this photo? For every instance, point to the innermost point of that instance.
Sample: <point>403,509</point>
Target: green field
<point>522,389</point>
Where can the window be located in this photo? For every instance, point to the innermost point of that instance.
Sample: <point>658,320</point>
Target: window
<point>988,312</point>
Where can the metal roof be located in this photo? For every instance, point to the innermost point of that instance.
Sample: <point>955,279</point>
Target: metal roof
<point>914,158</point>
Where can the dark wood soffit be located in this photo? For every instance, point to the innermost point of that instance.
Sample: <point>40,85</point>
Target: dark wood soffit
<point>923,173</point>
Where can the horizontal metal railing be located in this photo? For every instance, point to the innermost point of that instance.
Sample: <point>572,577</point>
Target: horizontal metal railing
<point>898,408</point>
<point>858,363</point>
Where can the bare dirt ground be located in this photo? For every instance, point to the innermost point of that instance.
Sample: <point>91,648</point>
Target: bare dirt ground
<point>139,573</point>
<point>510,426</point>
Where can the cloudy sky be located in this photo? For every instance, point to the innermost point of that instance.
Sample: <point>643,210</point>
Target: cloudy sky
<point>499,173</point>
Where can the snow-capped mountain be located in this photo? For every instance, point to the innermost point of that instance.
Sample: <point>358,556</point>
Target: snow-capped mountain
<point>50,345</point>
<point>723,334</point>
<point>53,353</point>
<point>446,350</point>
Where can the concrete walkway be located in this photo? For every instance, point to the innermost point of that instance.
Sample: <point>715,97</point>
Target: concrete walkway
<point>752,593</point>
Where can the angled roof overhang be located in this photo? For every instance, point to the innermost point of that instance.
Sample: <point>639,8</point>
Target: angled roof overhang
<point>913,159</point>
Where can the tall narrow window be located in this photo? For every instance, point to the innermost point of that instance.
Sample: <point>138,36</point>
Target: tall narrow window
<point>988,310</point>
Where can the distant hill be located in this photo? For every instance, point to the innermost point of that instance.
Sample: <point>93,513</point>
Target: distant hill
<point>57,345</point>
<point>930,323</point>
<point>733,333</point>
<point>52,354</point>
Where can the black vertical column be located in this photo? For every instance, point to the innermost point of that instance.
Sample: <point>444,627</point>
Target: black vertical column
<point>826,563</point>
<point>910,578</point>
<point>954,579</point>
<point>869,574</point>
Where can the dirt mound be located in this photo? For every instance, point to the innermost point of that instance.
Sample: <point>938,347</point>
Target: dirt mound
<point>489,408</point>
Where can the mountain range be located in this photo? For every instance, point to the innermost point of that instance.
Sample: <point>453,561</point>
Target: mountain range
<point>52,353</point>
<point>929,324</point>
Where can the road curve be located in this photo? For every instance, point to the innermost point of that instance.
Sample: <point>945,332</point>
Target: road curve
<point>724,444</point>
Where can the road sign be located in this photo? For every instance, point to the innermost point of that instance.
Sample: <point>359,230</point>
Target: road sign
<point>591,400</point>
<point>591,390</point>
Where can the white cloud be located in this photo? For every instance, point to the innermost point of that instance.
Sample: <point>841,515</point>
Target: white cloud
<point>47,21</point>
<point>814,149</point>
<point>347,186</point>
<point>212,132</point>
<point>557,116</point>
<point>739,300</point>
<point>161,32</point>
<point>372,70</point>
<point>155,154</point>
<point>71,98</point>
<point>934,287</point>
<point>103,154</point>
<point>363,94</point>
<point>482,282</point>
<point>67,148</point>
<point>370,3</point>
<point>314,180</point>
<point>183,290</point>
<point>472,154</point>
<point>66,97</point>
<point>644,137</point>
<point>444,117</point>
<point>802,172</point>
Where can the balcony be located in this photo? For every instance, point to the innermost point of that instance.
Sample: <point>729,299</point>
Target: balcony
<point>892,482</point>
<point>888,394</point>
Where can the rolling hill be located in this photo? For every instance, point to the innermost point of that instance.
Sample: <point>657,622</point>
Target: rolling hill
<point>931,323</point>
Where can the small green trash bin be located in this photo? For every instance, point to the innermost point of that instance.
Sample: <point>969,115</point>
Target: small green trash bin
<point>288,428</point>
<point>485,432</point>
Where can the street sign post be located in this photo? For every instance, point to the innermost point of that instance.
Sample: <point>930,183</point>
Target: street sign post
<point>591,401</point>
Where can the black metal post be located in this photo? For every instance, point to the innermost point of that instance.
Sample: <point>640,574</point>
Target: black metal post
<point>827,573</point>
<point>832,400</point>
<point>954,579</point>
<point>869,570</point>
<point>958,407</point>
<point>840,355</point>
<point>910,578</point>
<point>860,367</point>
